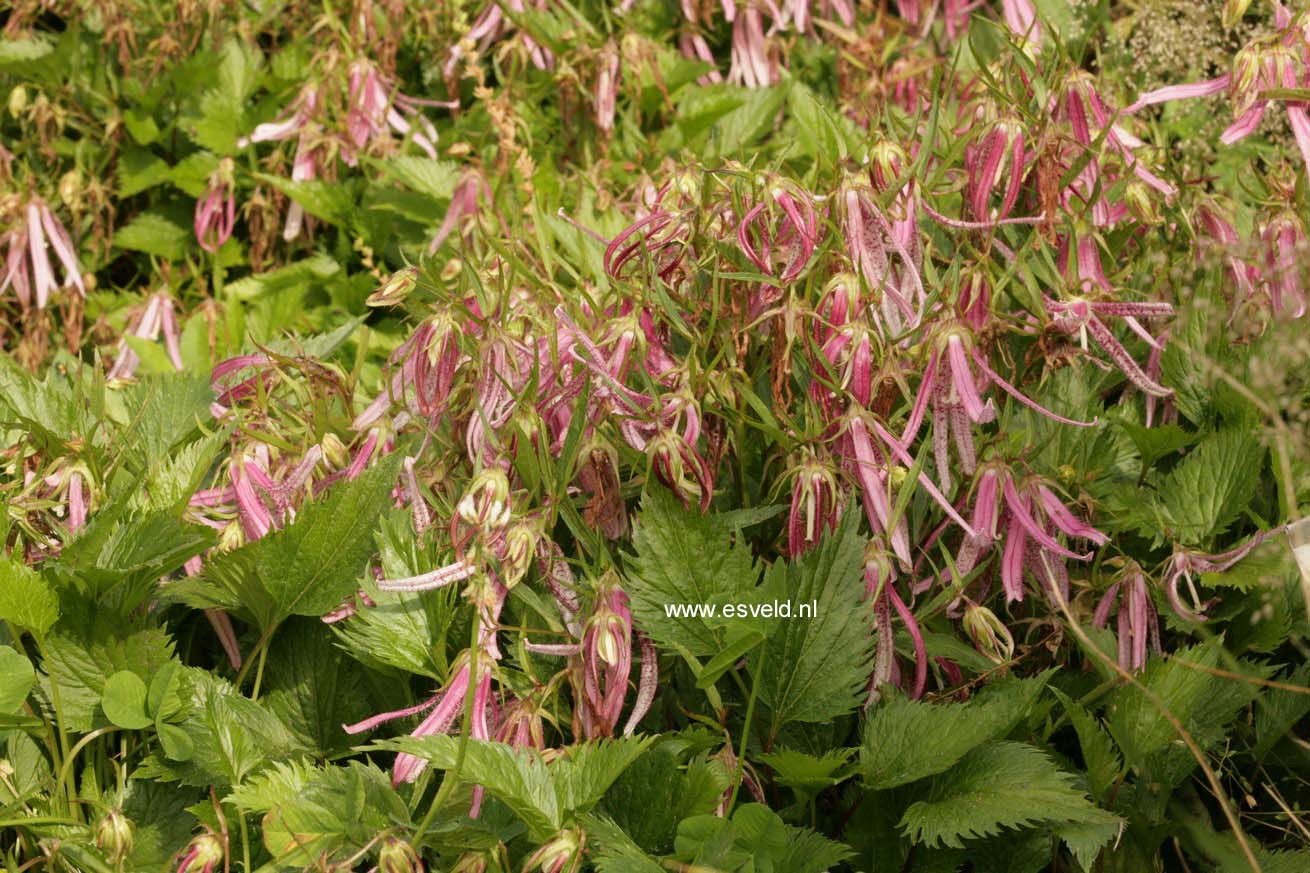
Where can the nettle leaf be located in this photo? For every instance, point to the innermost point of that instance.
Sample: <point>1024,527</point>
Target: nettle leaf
<point>333,202</point>
<point>222,108</point>
<point>808,773</point>
<point>338,809</point>
<point>1277,711</point>
<point>306,272</point>
<point>519,778</point>
<point>161,410</point>
<point>231,735</point>
<point>1102,760</point>
<point>657,791</point>
<point>313,687</point>
<point>684,558</point>
<point>433,179</point>
<point>1208,490</point>
<point>158,812</point>
<point>614,851</point>
<point>307,567</point>
<point>755,838</point>
<point>998,786</point>
<point>153,234</point>
<point>814,669</point>
<point>545,796</point>
<point>895,753</point>
<point>26,599</point>
<point>1182,685</point>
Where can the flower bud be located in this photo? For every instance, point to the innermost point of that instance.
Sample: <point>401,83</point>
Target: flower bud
<point>202,855</point>
<point>560,854</point>
<point>70,187</point>
<point>486,503</point>
<point>395,289</point>
<point>398,856</point>
<point>17,101</point>
<point>114,836</point>
<point>1234,10</point>
<point>989,634</point>
<point>1141,200</point>
<point>334,450</point>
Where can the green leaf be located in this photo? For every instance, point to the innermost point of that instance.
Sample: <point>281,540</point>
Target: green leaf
<point>124,701</point>
<point>24,51</point>
<point>26,599</point>
<point>1211,486</point>
<point>815,669</point>
<point>313,687</point>
<point>82,669</point>
<point>16,680</point>
<point>434,179</point>
<point>161,410</point>
<point>1277,711</point>
<point>657,791</point>
<point>1104,766</point>
<point>684,558</point>
<point>139,169</point>
<point>997,786</point>
<point>895,753</point>
<point>333,202</point>
<point>338,809</point>
<point>306,272</point>
<point>153,234</point>
<point>517,777</point>
<point>544,796</point>
<point>808,773</point>
<point>306,568</point>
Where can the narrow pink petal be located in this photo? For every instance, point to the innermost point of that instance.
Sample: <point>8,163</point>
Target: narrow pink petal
<point>1065,520</point>
<point>1019,511</point>
<point>1026,401</point>
<point>962,378</point>
<point>1180,92</point>
<point>438,578</point>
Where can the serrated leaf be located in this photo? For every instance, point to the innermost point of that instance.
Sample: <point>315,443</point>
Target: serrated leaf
<point>895,752</point>
<point>1277,710</point>
<point>306,568</point>
<point>815,669</point>
<point>657,791</point>
<point>808,773</point>
<point>153,234</point>
<point>684,558</point>
<point>1104,766</point>
<point>313,687</point>
<point>434,179</point>
<point>161,410</point>
<point>336,809</point>
<point>307,271</point>
<point>24,51</point>
<point>139,169</point>
<point>81,670</point>
<point>124,701</point>
<point>26,599</point>
<point>232,736</point>
<point>1208,490</point>
<point>995,787</point>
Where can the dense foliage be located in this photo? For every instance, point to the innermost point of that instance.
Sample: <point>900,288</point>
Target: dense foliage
<point>759,436</point>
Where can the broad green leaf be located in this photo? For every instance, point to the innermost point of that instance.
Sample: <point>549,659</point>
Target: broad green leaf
<point>1211,486</point>
<point>124,701</point>
<point>16,680</point>
<point>308,271</point>
<point>306,568</point>
<point>313,687</point>
<point>82,669</point>
<point>153,234</point>
<point>815,669</point>
<point>808,773</point>
<point>24,51</point>
<point>657,791</point>
<point>1102,760</point>
<point>434,179</point>
<point>27,601</point>
<point>684,558</point>
<point>335,809</point>
<point>995,787</point>
<point>894,752</point>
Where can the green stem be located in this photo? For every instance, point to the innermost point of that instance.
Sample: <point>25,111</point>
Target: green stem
<point>66,770</point>
<point>259,673</point>
<point>746,731</point>
<point>256,654</point>
<point>64,753</point>
<point>245,842</point>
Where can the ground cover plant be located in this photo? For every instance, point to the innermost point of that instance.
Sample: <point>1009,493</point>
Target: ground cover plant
<point>564,436</point>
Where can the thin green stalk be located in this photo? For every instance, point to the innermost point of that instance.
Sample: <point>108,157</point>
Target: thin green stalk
<point>64,753</point>
<point>66,770</point>
<point>255,655</point>
<point>746,731</point>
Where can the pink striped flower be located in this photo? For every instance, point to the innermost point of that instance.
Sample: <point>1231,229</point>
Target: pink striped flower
<point>158,318</point>
<point>216,210</point>
<point>1081,317</point>
<point>1138,623</point>
<point>27,257</point>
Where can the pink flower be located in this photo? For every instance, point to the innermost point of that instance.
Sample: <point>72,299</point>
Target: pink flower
<point>1080,316</point>
<point>1281,61</point>
<point>784,248</point>
<point>815,505</point>
<point>607,88</point>
<point>751,64</point>
<point>27,262</point>
<point>216,211</point>
<point>1139,626</point>
<point>376,106</point>
<point>157,318</point>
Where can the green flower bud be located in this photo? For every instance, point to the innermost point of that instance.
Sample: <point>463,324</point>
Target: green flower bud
<point>114,836</point>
